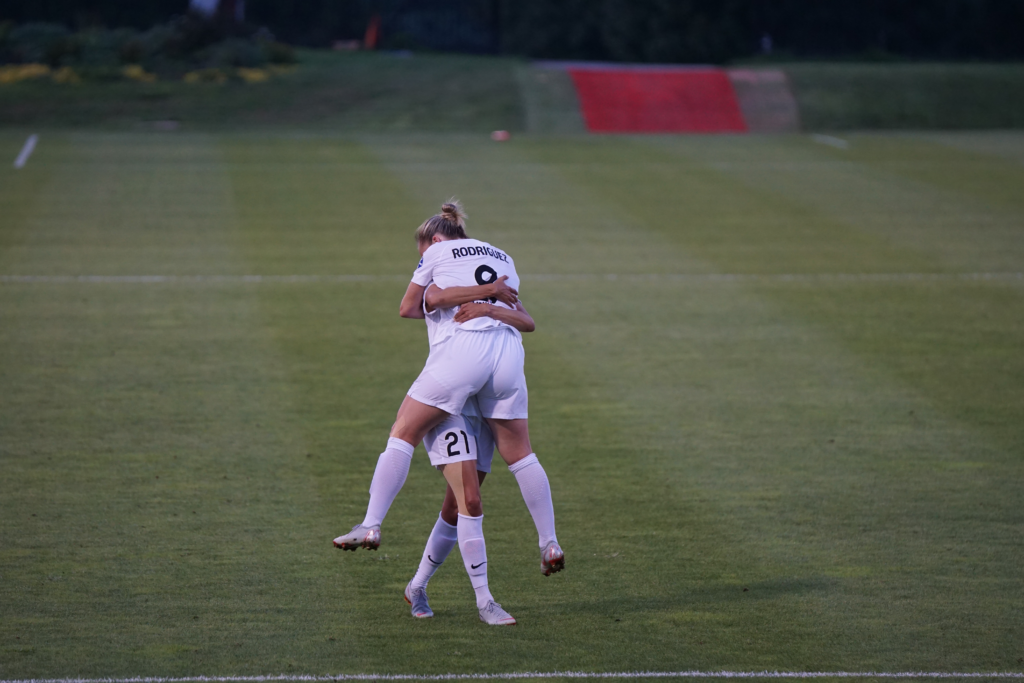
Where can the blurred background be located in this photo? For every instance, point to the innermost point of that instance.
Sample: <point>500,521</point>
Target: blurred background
<point>867,64</point>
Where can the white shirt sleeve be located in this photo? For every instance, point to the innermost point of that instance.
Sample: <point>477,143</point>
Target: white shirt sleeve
<point>424,273</point>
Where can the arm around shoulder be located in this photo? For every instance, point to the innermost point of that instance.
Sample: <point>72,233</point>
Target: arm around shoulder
<point>412,302</point>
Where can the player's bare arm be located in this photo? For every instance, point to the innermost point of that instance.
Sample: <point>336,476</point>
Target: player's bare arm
<point>457,296</point>
<point>519,318</point>
<point>412,302</point>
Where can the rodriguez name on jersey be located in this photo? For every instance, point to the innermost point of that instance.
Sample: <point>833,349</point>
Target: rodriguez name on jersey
<point>465,263</point>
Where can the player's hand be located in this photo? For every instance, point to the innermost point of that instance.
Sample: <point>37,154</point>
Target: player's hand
<point>472,310</point>
<point>503,293</point>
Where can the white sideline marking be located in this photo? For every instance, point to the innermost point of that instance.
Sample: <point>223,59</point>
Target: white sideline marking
<point>531,675</point>
<point>629,277</point>
<point>838,143</point>
<point>26,151</point>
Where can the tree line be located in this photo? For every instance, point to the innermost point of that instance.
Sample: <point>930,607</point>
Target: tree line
<point>711,31</point>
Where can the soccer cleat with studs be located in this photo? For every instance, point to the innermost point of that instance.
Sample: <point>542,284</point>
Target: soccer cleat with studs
<point>360,537</point>
<point>417,599</point>
<point>552,559</point>
<point>493,615</point>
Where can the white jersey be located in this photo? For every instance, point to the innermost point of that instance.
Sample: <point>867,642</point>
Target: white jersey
<point>437,322</point>
<point>463,263</point>
<point>440,323</point>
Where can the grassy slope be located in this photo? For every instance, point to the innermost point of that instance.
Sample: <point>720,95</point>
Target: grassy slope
<point>760,474</point>
<point>379,92</point>
<point>926,96</point>
<point>339,91</point>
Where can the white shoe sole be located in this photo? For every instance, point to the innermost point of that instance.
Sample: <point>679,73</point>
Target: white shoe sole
<point>370,541</point>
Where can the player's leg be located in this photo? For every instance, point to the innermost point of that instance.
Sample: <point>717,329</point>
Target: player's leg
<point>452,441</point>
<point>513,440</point>
<point>504,401</point>
<point>447,380</point>
<point>464,482</point>
<point>442,538</point>
<point>412,423</point>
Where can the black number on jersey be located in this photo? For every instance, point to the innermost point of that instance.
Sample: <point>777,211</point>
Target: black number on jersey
<point>486,275</point>
<point>465,440</point>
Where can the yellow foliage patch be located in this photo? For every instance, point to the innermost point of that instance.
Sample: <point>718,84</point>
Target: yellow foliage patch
<point>253,75</point>
<point>137,73</point>
<point>13,73</point>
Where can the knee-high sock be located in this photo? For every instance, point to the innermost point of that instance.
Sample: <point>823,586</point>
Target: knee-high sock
<point>474,556</point>
<point>533,482</point>
<point>442,539</point>
<point>388,478</point>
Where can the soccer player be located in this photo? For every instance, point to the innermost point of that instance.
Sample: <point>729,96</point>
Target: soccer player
<point>440,443</point>
<point>475,351</point>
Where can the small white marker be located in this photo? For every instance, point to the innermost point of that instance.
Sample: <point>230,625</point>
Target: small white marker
<point>838,143</point>
<point>26,151</point>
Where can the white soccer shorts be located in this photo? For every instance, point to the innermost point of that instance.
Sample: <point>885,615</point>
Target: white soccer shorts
<point>487,363</point>
<point>458,438</point>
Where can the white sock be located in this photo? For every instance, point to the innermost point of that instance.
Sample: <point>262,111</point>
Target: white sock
<point>533,482</point>
<point>388,478</point>
<point>442,539</point>
<point>474,556</point>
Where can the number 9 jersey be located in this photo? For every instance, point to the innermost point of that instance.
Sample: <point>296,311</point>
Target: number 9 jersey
<point>466,263</point>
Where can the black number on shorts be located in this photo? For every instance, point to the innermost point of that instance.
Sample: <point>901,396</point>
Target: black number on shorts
<point>454,441</point>
<point>465,439</point>
<point>486,275</point>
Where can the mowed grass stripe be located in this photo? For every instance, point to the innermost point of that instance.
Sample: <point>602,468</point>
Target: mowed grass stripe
<point>618,372</point>
<point>702,437</point>
<point>712,200</point>
<point>20,190</point>
<point>866,191</point>
<point>967,175</point>
<point>978,336</point>
<point>1005,144</point>
<point>699,208</point>
<point>149,461</point>
<point>966,445</point>
<point>352,359</point>
<point>827,278</point>
<point>530,675</point>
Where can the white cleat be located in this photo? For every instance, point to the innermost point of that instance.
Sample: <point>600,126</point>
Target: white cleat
<point>494,615</point>
<point>360,537</point>
<point>417,597</point>
<point>552,559</point>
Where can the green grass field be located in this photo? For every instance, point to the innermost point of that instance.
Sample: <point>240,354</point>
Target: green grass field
<point>807,473</point>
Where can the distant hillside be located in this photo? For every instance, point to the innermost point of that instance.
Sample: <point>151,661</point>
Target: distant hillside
<point>381,92</point>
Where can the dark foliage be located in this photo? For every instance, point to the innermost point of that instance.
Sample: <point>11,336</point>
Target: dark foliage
<point>171,48</point>
<point>619,30</point>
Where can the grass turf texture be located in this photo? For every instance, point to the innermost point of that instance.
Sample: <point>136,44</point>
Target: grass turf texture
<point>759,474</point>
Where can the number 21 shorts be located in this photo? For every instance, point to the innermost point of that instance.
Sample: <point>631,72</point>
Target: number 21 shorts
<point>458,438</point>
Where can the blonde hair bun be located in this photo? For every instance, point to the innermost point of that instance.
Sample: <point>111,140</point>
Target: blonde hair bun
<point>450,223</point>
<point>453,211</point>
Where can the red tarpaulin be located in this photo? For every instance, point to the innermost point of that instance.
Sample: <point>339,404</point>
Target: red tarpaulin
<point>657,100</point>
